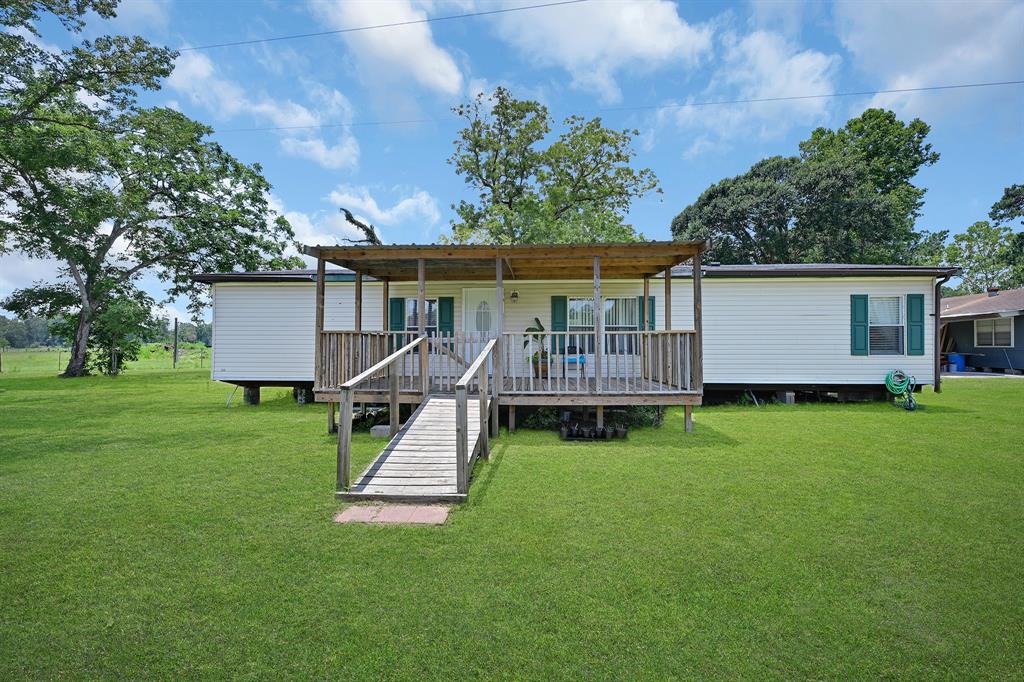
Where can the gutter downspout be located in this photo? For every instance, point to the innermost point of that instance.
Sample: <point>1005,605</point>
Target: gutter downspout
<point>937,312</point>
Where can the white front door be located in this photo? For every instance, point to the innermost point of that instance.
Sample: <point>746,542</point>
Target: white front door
<point>479,311</point>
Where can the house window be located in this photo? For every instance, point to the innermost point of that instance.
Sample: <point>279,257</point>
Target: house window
<point>620,314</point>
<point>412,322</point>
<point>994,333</point>
<point>885,325</point>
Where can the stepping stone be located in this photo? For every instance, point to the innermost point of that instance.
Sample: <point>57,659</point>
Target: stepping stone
<point>420,514</point>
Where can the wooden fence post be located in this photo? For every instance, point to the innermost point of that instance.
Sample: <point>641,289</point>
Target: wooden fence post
<point>345,440</point>
<point>393,405</point>
<point>485,446</point>
<point>461,439</point>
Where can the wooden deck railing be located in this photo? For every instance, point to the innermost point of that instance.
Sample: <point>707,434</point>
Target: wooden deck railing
<point>466,453</point>
<point>631,362</point>
<point>344,354</point>
<point>386,369</point>
<point>551,363</point>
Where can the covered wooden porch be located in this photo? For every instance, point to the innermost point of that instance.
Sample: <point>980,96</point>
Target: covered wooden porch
<point>571,366</point>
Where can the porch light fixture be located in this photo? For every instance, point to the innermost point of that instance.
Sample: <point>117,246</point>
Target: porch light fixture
<point>514,296</point>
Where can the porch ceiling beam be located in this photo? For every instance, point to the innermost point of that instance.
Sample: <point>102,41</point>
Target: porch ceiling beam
<point>681,250</point>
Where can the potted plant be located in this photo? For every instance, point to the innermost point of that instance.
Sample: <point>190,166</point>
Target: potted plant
<point>537,339</point>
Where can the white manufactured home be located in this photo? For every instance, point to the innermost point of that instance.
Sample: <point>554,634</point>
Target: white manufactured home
<point>777,326</point>
<point>446,327</point>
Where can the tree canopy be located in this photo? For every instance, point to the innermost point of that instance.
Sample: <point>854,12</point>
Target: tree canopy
<point>113,191</point>
<point>577,188</point>
<point>846,198</point>
<point>991,255</point>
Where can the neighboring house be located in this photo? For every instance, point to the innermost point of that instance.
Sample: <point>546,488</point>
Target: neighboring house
<point>988,329</point>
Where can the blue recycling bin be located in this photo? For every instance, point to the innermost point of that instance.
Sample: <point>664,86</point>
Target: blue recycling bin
<point>958,361</point>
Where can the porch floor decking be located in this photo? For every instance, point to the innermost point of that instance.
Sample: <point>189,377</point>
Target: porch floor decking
<point>419,463</point>
<point>521,386</point>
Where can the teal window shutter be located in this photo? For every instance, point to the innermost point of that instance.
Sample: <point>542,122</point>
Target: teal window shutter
<point>915,324</point>
<point>396,322</point>
<point>858,324</point>
<point>446,314</point>
<point>641,311</point>
<point>646,312</point>
<point>560,318</point>
<point>396,313</point>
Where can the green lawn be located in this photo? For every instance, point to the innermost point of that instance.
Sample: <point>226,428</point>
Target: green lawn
<point>146,530</point>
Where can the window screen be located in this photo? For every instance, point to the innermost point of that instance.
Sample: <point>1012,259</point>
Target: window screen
<point>620,314</point>
<point>885,325</point>
<point>994,333</point>
<point>412,320</point>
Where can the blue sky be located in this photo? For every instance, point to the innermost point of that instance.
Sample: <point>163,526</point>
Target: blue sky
<point>593,58</point>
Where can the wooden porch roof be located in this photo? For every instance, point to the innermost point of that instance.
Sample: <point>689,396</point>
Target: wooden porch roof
<point>535,261</point>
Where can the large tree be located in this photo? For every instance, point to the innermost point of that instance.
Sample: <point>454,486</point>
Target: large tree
<point>158,197</point>
<point>846,198</point>
<point>76,86</point>
<point>983,253</point>
<point>575,188</point>
<point>110,191</point>
<point>1010,207</point>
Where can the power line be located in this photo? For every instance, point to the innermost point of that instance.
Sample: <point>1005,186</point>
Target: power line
<point>649,107</point>
<point>356,29</point>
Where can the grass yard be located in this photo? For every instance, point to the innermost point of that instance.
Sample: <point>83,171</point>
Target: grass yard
<point>146,530</point>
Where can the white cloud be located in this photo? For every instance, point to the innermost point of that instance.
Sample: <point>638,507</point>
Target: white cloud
<point>18,271</point>
<point>759,65</point>
<point>141,14</point>
<point>196,77</point>
<point>359,200</point>
<point>596,41</point>
<point>395,55</point>
<point>908,46</point>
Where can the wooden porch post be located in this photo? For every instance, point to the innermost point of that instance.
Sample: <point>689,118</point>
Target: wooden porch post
<point>598,323</point>
<point>697,355</point>
<point>645,311</point>
<point>358,309</point>
<point>698,327</point>
<point>385,323</point>
<point>421,321</point>
<point>497,360</point>
<point>318,378</point>
<point>668,299</point>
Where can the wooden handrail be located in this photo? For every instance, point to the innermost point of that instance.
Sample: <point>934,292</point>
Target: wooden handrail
<point>363,376</point>
<point>345,399</point>
<point>464,454</point>
<point>475,366</point>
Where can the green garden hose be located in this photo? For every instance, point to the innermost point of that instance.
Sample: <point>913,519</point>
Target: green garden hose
<point>901,385</point>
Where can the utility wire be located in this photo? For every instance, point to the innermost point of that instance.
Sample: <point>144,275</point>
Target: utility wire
<point>357,29</point>
<point>649,107</point>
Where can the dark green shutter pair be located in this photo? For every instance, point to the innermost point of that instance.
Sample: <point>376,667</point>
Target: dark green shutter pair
<point>859,344</point>
<point>445,314</point>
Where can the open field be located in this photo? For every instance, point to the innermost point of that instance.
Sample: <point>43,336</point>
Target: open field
<point>150,531</point>
<point>52,361</point>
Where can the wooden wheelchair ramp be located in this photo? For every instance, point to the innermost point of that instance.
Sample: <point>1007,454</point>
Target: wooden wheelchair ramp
<point>419,463</point>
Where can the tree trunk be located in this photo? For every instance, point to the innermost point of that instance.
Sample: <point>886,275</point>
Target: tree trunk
<point>76,364</point>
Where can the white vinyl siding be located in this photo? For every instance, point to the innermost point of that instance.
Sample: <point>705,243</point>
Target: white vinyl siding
<point>994,333</point>
<point>265,331</point>
<point>756,330</point>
